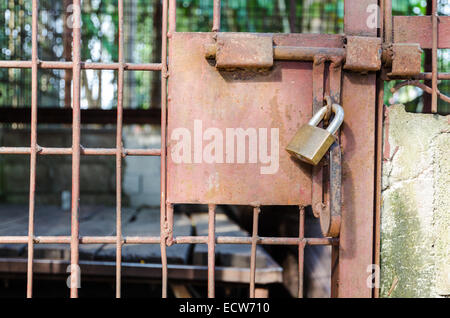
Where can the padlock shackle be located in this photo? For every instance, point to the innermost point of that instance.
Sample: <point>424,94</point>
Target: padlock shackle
<point>337,120</point>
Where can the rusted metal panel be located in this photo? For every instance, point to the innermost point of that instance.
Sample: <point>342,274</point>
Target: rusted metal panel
<point>275,101</point>
<point>363,54</point>
<point>358,141</point>
<point>419,30</point>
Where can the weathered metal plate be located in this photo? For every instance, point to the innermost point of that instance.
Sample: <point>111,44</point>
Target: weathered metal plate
<point>407,59</point>
<point>200,95</point>
<point>244,50</point>
<point>363,54</point>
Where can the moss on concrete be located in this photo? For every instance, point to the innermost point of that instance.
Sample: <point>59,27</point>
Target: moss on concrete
<point>415,204</point>
<point>402,258</point>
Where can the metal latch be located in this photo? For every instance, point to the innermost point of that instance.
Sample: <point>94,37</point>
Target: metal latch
<point>405,59</point>
<point>359,53</point>
<point>242,50</point>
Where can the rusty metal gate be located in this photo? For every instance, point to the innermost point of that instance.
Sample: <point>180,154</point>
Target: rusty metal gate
<point>220,81</point>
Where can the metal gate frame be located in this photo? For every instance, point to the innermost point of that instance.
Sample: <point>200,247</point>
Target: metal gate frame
<point>362,97</point>
<point>355,248</point>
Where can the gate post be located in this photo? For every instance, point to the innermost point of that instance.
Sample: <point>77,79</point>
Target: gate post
<point>358,142</point>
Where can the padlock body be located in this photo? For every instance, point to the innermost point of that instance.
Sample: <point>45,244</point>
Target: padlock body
<point>310,144</point>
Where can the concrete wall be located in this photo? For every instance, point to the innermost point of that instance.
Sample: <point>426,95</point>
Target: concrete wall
<point>415,220</point>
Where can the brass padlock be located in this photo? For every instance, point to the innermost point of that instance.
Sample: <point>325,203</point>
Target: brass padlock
<point>310,143</point>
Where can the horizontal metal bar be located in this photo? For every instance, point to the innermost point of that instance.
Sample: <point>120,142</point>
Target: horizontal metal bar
<point>293,53</point>
<point>306,53</point>
<point>84,65</point>
<point>424,76</point>
<point>237,275</point>
<point>84,151</point>
<point>177,240</point>
<point>56,115</point>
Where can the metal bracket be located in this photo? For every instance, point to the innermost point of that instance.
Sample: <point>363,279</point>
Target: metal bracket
<point>363,54</point>
<point>241,50</point>
<point>405,59</point>
<point>330,215</point>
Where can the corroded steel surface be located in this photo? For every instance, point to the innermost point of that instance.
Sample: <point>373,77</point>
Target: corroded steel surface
<point>330,218</point>
<point>407,59</point>
<point>363,54</point>
<point>243,50</point>
<point>280,98</point>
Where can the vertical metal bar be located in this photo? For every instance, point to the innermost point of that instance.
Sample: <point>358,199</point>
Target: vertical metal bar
<point>256,211</point>
<point>301,251</point>
<point>378,176</point>
<point>434,80</point>
<point>163,145</point>
<point>428,64</point>
<point>172,16</point>
<point>163,264</point>
<point>334,271</point>
<point>74,242</point>
<point>211,249</point>
<point>317,179</point>
<point>381,20</point>
<point>119,148</point>
<point>358,141</point>
<point>169,225</point>
<point>67,34</point>
<point>388,35</point>
<point>33,154</point>
<point>335,82</point>
<point>378,167</point>
<point>216,16</point>
<point>335,189</point>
